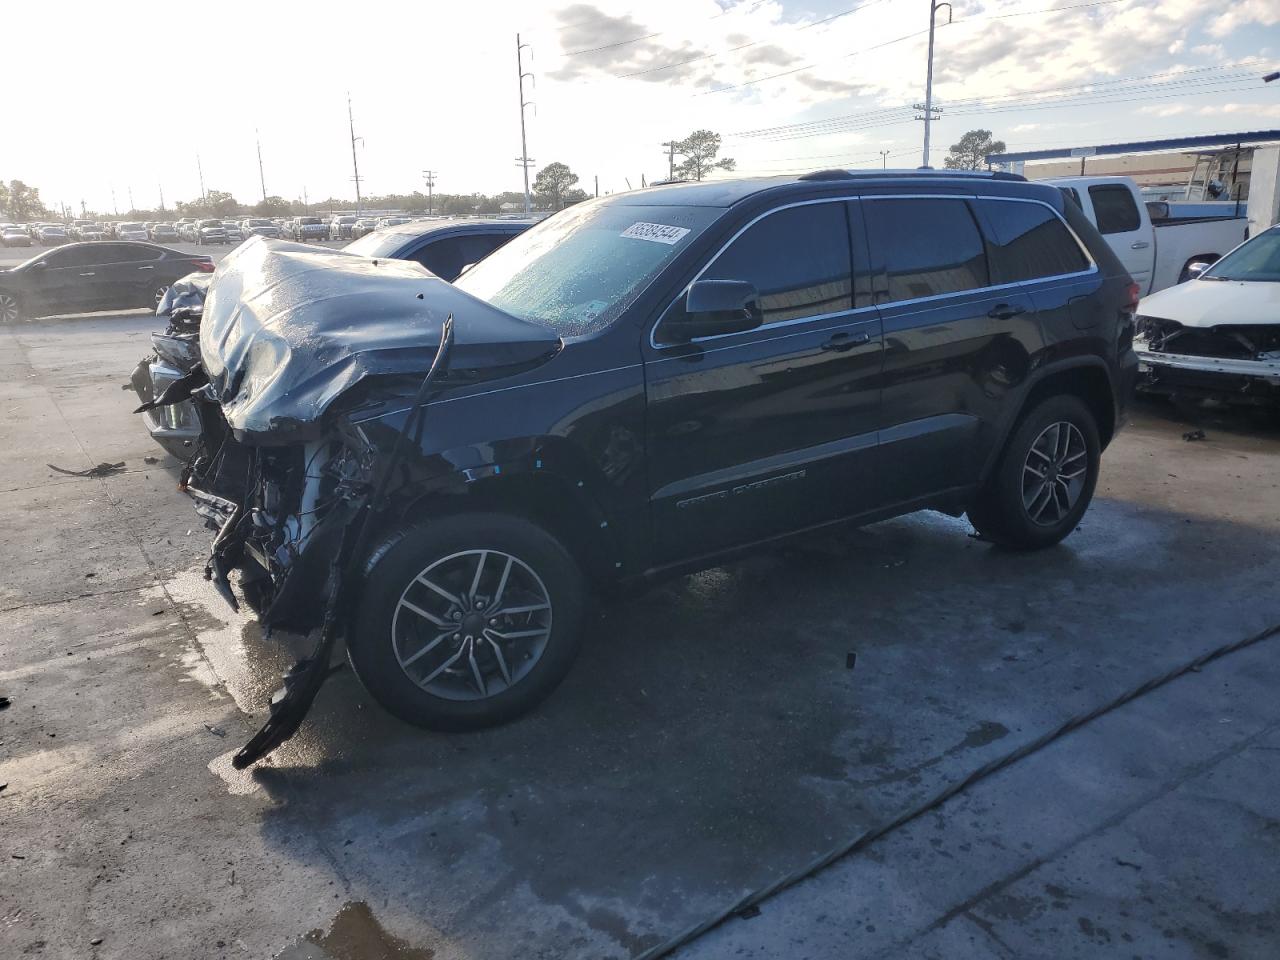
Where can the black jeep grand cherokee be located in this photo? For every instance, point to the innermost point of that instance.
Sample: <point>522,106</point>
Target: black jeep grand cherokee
<point>643,384</point>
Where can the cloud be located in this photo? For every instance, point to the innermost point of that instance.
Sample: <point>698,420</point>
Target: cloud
<point>1213,50</point>
<point>1252,109</point>
<point>595,42</point>
<point>1240,13</point>
<point>1025,127</point>
<point>1165,110</point>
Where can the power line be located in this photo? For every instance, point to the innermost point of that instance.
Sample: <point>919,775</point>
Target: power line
<point>860,120</point>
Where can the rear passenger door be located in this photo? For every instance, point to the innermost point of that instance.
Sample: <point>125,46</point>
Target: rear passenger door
<point>952,344</point>
<point>761,432</point>
<point>1031,245</point>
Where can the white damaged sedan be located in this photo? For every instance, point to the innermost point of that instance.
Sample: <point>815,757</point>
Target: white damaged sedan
<point>1217,335</point>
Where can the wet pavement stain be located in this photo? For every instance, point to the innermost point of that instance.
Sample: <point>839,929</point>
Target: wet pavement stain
<point>355,934</point>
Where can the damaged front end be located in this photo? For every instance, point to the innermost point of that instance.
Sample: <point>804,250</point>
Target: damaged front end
<point>1234,362</point>
<point>293,341</point>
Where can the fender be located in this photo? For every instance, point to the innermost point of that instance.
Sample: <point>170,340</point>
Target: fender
<point>542,477</point>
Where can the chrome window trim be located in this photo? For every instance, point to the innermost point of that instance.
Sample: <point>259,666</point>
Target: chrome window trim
<point>1092,269</point>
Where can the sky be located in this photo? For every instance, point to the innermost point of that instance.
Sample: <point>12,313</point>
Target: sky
<point>125,97</point>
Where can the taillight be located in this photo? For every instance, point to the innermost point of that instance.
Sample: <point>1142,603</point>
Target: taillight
<point>204,266</point>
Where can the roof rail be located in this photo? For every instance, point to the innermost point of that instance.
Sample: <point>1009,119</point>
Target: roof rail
<point>837,174</point>
<point>667,183</point>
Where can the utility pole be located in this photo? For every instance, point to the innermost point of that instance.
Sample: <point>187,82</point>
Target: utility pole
<point>523,159</point>
<point>306,207</point>
<point>114,205</point>
<point>131,206</point>
<point>161,187</point>
<point>597,184</point>
<point>82,208</point>
<point>262,179</point>
<point>929,109</point>
<point>429,177</point>
<point>884,159</point>
<point>355,166</point>
<point>671,158</point>
<point>200,170</point>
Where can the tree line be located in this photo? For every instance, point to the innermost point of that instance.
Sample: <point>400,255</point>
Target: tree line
<point>554,187</point>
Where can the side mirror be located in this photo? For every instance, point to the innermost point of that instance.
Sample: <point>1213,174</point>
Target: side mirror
<point>715,307</point>
<point>1196,268</point>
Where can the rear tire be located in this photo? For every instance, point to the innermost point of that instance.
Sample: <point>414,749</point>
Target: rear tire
<point>444,647</point>
<point>1045,477</point>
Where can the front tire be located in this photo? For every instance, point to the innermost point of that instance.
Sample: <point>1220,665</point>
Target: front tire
<point>10,307</point>
<point>1044,481</point>
<point>467,621</point>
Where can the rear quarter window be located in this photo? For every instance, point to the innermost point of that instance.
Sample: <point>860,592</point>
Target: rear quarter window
<point>1029,241</point>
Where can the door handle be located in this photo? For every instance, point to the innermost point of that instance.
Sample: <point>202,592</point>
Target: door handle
<point>841,342</point>
<point>146,268</point>
<point>1139,245</point>
<point>1005,311</point>
<point>88,274</point>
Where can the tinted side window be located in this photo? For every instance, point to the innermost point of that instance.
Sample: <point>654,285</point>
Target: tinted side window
<point>1114,208</point>
<point>73,256</point>
<point>799,260</point>
<point>445,258</point>
<point>928,247</point>
<point>1030,242</point>
<point>125,253</point>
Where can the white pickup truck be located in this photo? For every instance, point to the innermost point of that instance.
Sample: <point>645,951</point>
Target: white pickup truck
<point>1156,252</point>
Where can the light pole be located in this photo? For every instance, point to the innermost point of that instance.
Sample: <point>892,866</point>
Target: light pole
<point>262,178</point>
<point>927,106</point>
<point>524,160</point>
<point>355,166</point>
<point>884,159</point>
<point>429,177</point>
<point>200,170</point>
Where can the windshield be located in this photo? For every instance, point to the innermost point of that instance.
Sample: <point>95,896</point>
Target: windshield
<point>308,221</point>
<point>578,271</point>
<point>1259,259</point>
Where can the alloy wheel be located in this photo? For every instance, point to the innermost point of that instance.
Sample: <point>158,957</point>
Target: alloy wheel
<point>8,308</point>
<point>1054,473</point>
<point>471,625</point>
<point>160,291</point>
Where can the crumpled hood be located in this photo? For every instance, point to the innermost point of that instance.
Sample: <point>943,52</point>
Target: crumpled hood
<point>1214,303</point>
<point>288,328</point>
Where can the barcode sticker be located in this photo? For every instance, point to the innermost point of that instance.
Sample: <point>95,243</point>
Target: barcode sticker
<point>655,232</point>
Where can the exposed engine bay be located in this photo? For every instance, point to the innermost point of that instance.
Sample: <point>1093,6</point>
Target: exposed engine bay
<point>1237,362</point>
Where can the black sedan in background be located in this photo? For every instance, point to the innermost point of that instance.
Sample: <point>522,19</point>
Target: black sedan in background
<point>442,246</point>
<point>83,277</point>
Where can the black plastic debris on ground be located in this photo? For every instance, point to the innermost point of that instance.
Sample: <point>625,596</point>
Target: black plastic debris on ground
<point>101,470</point>
<point>4,703</point>
<point>1192,435</point>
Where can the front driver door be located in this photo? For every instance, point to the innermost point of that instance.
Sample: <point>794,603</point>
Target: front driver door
<point>62,284</point>
<point>758,433</point>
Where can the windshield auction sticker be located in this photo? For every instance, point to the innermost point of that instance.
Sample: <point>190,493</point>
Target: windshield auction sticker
<point>655,232</point>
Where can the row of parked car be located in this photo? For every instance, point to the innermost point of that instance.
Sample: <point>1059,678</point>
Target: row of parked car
<point>200,231</point>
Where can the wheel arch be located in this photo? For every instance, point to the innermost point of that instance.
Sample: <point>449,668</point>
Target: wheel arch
<point>559,505</point>
<point>1086,377</point>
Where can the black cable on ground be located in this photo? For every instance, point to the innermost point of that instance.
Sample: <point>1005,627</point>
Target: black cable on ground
<point>868,837</point>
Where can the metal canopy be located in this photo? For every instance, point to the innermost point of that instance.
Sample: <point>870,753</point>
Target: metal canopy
<point>1140,146</point>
